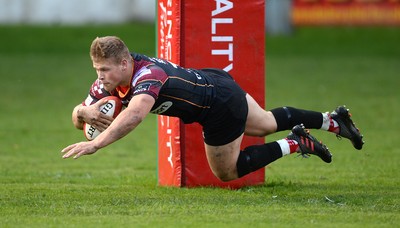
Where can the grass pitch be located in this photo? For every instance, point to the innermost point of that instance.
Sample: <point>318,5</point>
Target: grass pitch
<point>45,71</point>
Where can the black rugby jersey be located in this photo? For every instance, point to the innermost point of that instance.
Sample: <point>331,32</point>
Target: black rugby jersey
<point>180,92</point>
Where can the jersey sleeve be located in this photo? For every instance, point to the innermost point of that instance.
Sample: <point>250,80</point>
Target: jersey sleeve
<point>149,80</point>
<point>96,92</point>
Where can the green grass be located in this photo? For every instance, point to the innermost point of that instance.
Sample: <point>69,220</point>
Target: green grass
<point>45,71</point>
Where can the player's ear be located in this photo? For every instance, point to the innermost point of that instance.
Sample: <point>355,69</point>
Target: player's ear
<point>124,64</point>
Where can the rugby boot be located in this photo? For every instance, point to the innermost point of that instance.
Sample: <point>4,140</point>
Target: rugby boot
<point>347,128</point>
<point>309,144</point>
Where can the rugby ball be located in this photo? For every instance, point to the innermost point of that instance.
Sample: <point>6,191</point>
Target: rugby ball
<point>112,108</point>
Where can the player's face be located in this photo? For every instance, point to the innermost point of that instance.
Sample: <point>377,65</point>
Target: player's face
<point>109,73</point>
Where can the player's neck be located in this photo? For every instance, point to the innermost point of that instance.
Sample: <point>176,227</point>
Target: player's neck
<point>128,75</point>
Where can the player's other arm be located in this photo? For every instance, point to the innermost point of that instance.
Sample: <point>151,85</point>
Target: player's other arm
<point>139,106</point>
<point>91,114</point>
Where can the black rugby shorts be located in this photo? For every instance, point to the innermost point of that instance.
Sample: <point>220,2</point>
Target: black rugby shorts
<point>227,116</point>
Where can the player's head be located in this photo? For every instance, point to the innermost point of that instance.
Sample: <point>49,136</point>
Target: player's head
<point>112,62</point>
<point>109,48</point>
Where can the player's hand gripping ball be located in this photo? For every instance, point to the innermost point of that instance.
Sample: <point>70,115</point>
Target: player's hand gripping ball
<point>112,108</point>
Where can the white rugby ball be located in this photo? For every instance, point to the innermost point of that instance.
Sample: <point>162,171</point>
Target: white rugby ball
<point>112,108</point>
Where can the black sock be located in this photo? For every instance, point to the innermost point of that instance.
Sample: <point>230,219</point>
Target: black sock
<point>288,117</point>
<point>255,157</point>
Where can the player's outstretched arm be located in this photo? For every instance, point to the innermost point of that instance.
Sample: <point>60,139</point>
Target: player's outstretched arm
<point>125,122</point>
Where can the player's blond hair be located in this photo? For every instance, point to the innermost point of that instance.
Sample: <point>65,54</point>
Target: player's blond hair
<point>108,47</point>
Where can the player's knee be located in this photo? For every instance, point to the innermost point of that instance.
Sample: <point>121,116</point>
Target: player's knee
<point>225,175</point>
<point>226,178</point>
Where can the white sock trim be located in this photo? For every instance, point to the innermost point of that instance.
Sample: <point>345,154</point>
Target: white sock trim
<point>325,121</point>
<point>285,148</point>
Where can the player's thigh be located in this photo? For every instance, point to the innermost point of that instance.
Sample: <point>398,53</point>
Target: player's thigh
<point>259,121</point>
<point>223,159</point>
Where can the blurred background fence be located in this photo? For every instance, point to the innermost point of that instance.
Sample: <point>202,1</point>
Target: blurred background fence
<point>281,15</point>
<point>278,11</point>
<point>75,11</point>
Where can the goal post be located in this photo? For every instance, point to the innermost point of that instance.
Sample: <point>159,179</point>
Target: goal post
<point>223,34</point>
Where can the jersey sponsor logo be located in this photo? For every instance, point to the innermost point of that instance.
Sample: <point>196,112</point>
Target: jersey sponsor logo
<point>162,108</point>
<point>142,88</point>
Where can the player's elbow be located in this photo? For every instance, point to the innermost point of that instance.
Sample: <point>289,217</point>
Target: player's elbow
<point>77,124</point>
